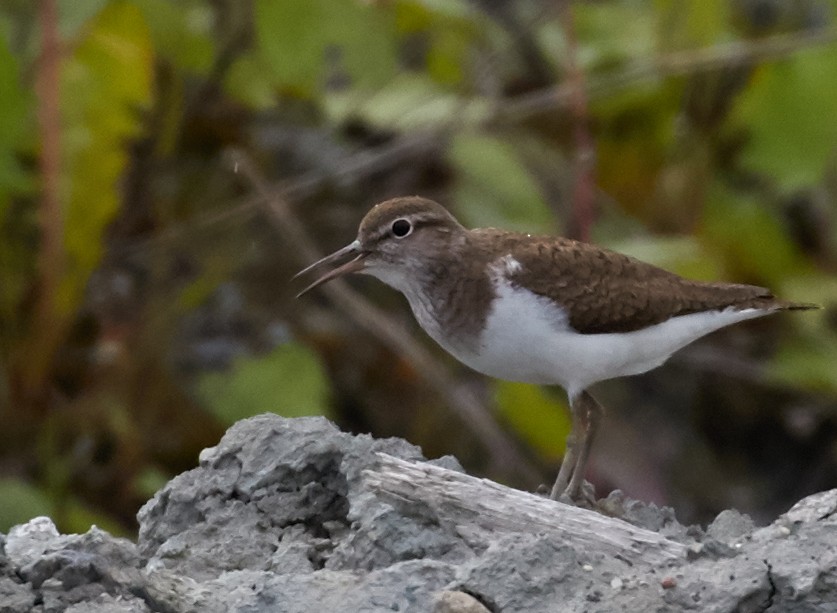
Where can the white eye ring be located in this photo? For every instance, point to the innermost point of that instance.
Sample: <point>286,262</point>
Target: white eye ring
<point>401,228</point>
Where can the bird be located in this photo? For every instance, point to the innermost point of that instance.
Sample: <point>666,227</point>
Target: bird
<point>544,310</point>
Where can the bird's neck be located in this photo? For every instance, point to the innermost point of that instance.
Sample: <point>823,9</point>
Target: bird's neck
<point>451,293</point>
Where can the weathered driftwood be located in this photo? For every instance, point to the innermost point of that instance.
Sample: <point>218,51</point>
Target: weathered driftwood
<point>480,509</point>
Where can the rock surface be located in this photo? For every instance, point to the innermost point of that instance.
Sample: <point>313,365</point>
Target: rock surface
<point>281,516</point>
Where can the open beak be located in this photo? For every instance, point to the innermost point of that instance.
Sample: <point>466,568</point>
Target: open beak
<point>353,265</point>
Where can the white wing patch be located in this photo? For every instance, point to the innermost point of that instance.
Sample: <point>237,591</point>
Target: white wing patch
<point>506,264</point>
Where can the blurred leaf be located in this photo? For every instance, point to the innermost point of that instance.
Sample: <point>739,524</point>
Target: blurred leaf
<point>310,42</point>
<point>105,84</point>
<point>816,287</point>
<point>446,57</point>
<point>537,417</point>
<point>448,9</point>
<point>808,358</point>
<point>635,135</point>
<point>199,290</point>
<point>807,364</point>
<point>150,481</point>
<point>683,255</point>
<point>788,111</point>
<point>16,123</point>
<point>181,31</point>
<point>688,24</point>
<point>493,188</point>
<point>21,502</point>
<point>247,81</point>
<point>444,31</point>
<point>705,21</point>
<point>78,518</point>
<point>289,381</point>
<point>752,240</point>
<point>407,102</point>
<point>76,15</point>
<point>609,33</point>
<point>16,137</point>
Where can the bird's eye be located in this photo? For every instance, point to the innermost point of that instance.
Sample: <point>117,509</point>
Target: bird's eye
<point>401,228</point>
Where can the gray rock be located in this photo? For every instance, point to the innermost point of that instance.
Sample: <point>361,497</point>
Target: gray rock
<point>280,517</point>
<point>15,596</point>
<point>105,603</point>
<point>729,526</point>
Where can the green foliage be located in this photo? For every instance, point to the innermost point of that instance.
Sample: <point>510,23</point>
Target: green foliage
<point>807,364</point>
<point>789,112</point>
<point>681,254</point>
<point>449,29</point>
<point>246,82</point>
<point>289,381</point>
<point>16,125</point>
<point>493,188</point>
<point>16,122</point>
<point>408,102</point>
<point>610,33</point>
<point>752,238</point>
<point>75,17</point>
<point>309,42</point>
<point>77,518</point>
<point>150,481</point>
<point>21,502</point>
<point>806,359</point>
<point>636,134</point>
<point>687,24</point>
<point>183,30</point>
<point>105,84</point>
<point>538,418</point>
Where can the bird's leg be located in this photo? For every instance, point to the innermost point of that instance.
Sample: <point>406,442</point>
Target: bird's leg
<point>591,415</point>
<point>570,453</point>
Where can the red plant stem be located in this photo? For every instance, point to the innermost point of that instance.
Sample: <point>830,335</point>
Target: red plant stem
<point>43,331</point>
<point>584,190</point>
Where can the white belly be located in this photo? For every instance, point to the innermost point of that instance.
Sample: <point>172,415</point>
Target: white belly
<point>527,338</point>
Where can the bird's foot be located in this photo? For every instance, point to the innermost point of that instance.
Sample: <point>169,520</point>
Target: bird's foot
<point>584,495</point>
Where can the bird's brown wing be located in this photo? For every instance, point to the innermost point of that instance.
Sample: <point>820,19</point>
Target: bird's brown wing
<point>604,291</point>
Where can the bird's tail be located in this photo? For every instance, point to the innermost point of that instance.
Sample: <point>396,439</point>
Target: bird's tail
<point>798,306</point>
